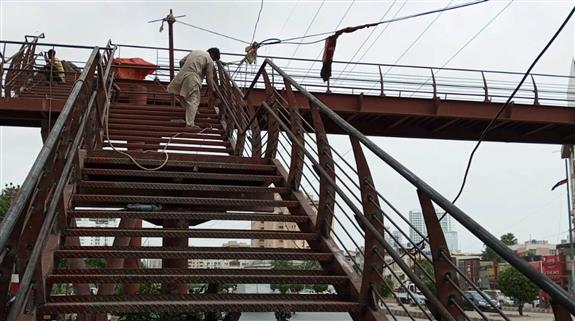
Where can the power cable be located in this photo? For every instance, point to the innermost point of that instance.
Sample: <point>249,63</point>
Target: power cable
<point>417,38</point>
<point>306,31</point>
<point>508,102</point>
<point>288,40</point>
<point>371,33</point>
<point>464,45</point>
<point>321,51</point>
<point>213,32</point>
<point>289,16</point>
<point>257,21</point>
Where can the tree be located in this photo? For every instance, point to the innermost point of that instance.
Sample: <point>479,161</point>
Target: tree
<point>6,196</point>
<point>387,286</point>
<point>489,255</point>
<point>517,286</point>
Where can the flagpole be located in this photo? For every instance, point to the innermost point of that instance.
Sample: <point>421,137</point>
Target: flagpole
<point>569,214</point>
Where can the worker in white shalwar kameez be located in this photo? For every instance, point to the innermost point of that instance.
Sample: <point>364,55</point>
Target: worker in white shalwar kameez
<point>194,67</point>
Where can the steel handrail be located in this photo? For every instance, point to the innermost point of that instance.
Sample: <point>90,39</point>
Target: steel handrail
<point>555,291</point>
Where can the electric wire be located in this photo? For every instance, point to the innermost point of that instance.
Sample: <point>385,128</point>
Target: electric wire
<point>257,21</point>
<point>371,33</point>
<point>418,38</point>
<point>306,31</point>
<point>213,32</point>
<point>508,102</point>
<point>420,14</point>
<point>336,27</point>
<point>465,45</point>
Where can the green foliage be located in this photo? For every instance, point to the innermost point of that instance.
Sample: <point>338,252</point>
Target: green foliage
<point>387,286</point>
<point>6,196</point>
<point>291,265</point>
<point>424,269</point>
<point>93,263</point>
<point>489,255</point>
<point>517,286</point>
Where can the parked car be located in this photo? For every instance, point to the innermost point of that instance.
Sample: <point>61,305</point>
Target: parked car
<point>479,301</point>
<point>307,291</point>
<point>499,297</point>
<point>407,293</point>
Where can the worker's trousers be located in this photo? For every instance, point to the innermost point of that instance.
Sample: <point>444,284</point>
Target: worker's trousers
<point>191,103</point>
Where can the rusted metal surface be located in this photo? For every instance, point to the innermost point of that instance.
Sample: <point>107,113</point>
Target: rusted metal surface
<point>194,253</point>
<point>326,192</point>
<point>446,291</point>
<point>373,261</point>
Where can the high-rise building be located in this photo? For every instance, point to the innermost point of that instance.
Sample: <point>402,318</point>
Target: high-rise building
<point>417,221</point>
<point>221,264</point>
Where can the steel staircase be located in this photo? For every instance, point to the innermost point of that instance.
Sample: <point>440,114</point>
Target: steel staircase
<point>265,162</point>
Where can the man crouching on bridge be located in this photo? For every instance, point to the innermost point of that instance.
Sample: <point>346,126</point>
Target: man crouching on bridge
<point>194,67</point>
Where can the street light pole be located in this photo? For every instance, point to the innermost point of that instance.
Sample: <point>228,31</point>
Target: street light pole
<point>570,216</point>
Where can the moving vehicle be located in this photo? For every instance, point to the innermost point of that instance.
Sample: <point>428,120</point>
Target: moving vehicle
<point>479,301</point>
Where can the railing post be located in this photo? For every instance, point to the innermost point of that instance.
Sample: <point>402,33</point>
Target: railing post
<point>485,88</point>
<point>373,264</point>
<point>560,313</point>
<point>434,84</point>
<point>297,155</point>
<point>381,93</point>
<point>326,191</point>
<point>535,92</point>
<point>447,293</point>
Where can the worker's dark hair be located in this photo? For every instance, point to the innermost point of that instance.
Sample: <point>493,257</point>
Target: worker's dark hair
<point>215,53</point>
<point>51,52</point>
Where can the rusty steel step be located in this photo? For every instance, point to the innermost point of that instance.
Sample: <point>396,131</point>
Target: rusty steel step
<point>146,123</point>
<point>211,137</point>
<point>192,233</point>
<point>195,297</point>
<point>197,216</point>
<point>96,186</point>
<point>165,128</point>
<point>93,172</point>
<point>176,271</point>
<point>166,118</point>
<point>127,107</point>
<point>168,139</point>
<point>186,165</point>
<point>216,253</point>
<point>265,277</point>
<point>98,199</point>
<point>216,305</point>
<point>200,160</point>
<point>171,147</point>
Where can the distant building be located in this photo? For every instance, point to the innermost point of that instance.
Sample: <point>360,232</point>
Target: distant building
<point>417,221</point>
<point>278,226</point>
<point>535,248</point>
<point>96,240</point>
<point>221,264</point>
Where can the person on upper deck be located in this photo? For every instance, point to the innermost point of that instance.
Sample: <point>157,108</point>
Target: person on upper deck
<point>186,85</point>
<point>54,70</point>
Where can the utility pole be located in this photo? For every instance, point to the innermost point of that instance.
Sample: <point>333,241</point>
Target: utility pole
<point>170,19</point>
<point>570,216</point>
<point>567,154</point>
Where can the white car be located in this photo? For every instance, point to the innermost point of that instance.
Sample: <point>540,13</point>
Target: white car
<point>307,291</point>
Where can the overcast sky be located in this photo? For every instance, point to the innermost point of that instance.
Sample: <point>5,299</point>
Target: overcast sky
<point>509,185</point>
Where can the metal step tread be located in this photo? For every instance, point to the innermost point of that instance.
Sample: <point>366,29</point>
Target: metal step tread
<point>179,174</point>
<point>262,305</point>
<point>189,215</point>
<point>83,199</point>
<point>193,253</point>
<point>192,233</point>
<point>176,271</point>
<point>180,187</point>
<point>196,297</point>
<point>262,278</point>
<point>229,160</point>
